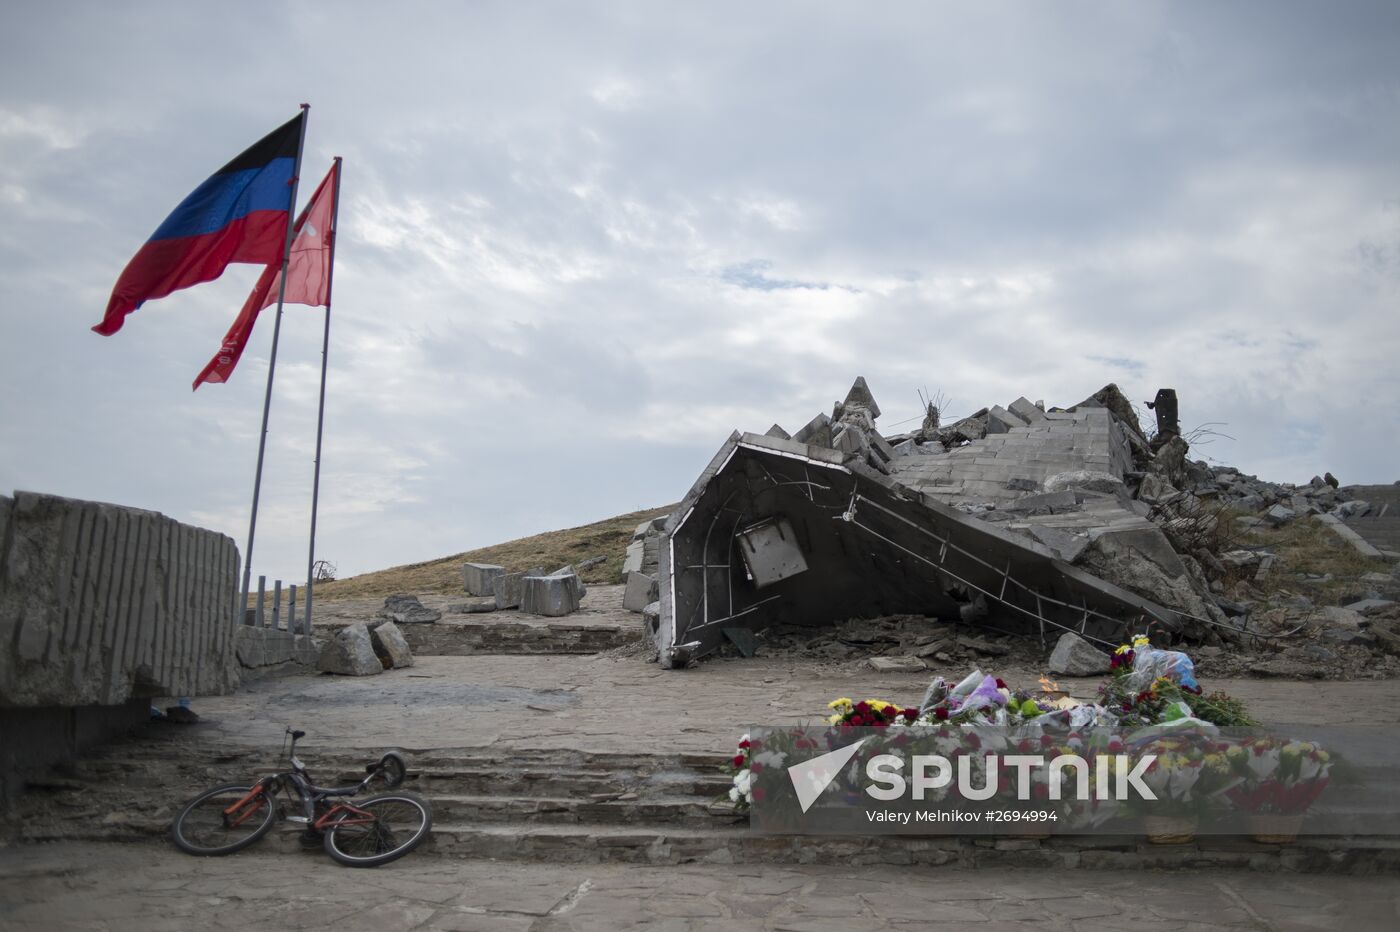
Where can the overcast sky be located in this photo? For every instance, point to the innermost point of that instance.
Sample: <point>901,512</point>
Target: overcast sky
<point>580,243</point>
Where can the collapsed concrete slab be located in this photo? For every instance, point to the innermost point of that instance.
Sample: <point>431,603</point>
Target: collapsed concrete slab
<point>871,545</point>
<point>1026,526</point>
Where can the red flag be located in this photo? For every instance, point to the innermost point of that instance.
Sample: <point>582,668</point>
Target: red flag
<point>308,278</point>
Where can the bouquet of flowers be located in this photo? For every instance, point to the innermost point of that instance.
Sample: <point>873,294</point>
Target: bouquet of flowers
<point>1277,776</point>
<point>869,713</point>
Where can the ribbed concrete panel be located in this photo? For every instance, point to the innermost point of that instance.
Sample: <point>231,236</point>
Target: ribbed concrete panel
<point>100,604</point>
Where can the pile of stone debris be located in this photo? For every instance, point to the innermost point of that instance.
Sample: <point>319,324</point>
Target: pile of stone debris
<point>1087,485</point>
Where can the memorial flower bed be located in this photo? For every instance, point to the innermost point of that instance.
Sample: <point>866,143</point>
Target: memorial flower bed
<point>1150,705</point>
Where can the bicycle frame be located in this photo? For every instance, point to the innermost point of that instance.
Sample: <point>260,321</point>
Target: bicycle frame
<point>296,781</point>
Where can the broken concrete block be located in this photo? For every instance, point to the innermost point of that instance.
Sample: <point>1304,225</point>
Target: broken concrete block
<point>859,397</point>
<point>580,590</point>
<point>407,610</point>
<point>550,596</point>
<point>472,606</point>
<point>636,556</point>
<point>390,646</point>
<point>1090,480</point>
<point>1367,608</point>
<point>641,591</point>
<point>476,577</point>
<point>1074,656</point>
<point>1045,503</point>
<point>1026,411</point>
<point>896,664</point>
<point>1353,509</point>
<point>350,653</point>
<point>1000,420</point>
<point>847,440</point>
<point>508,587</point>
<point>983,647</point>
<point>969,428</point>
<point>817,433</point>
<point>1348,636</point>
<point>1279,515</point>
<point>777,431</point>
<point>1067,546</point>
<point>1334,616</point>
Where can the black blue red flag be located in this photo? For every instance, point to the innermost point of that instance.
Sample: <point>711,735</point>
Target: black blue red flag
<point>239,215</point>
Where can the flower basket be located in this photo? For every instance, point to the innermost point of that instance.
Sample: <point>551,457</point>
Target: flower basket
<point>1169,830</point>
<point>1272,828</point>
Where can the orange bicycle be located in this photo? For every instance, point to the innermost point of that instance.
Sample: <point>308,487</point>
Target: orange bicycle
<point>366,833</point>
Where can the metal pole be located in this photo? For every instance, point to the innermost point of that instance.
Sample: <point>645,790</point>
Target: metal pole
<point>272,362</point>
<point>321,410</point>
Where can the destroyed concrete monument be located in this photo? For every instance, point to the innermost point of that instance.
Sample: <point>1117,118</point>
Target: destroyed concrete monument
<point>1028,519</point>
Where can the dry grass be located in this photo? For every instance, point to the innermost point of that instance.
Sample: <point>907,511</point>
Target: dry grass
<point>1306,546</point>
<point>608,538</point>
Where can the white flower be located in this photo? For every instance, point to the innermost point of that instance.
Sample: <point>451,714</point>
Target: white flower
<point>770,758</point>
<point>734,794</point>
<point>743,781</point>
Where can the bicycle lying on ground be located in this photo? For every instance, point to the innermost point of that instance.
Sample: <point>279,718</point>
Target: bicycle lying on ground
<point>372,831</point>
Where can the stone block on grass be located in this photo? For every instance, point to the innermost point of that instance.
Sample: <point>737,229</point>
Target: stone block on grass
<point>476,577</point>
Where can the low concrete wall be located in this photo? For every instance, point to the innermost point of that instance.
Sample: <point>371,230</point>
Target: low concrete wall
<point>265,647</point>
<point>100,604</point>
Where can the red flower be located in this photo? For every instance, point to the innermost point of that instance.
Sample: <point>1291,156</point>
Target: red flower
<point>756,767</point>
<point>1046,741</point>
<point>911,714</point>
<point>1001,683</point>
<point>862,707</point>
<point>744,745</point>
<point>738,760</point>
<point>974,742</point>
<point>757,794</point>
<point>941,714</point>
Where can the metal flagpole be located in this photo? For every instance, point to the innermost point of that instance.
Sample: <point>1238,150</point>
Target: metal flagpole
<point>272,366</point>
<point>321,410</point>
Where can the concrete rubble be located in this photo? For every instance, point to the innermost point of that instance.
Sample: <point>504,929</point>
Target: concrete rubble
<point>1074,656</point>
<point>554,595</point>
<point>350,653</point>
<point>407,610</point>
<point>390,646</point>
<point>1039,522</point>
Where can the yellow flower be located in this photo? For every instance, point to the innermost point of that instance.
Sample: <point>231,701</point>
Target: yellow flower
<point>879,705</point>
<point>1140,640</point>
<point>1123,649</point>
<point>834,720</point>
<point>839,703</point>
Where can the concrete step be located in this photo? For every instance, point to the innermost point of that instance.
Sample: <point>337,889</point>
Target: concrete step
<point>652,811</point>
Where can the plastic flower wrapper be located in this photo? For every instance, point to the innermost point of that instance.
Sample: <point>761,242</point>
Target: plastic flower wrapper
<point>1279,776</point>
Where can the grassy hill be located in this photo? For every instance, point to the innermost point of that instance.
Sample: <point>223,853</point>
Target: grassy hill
<point>607,538</point>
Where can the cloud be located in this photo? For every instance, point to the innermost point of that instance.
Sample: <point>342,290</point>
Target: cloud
<point>578,247</point>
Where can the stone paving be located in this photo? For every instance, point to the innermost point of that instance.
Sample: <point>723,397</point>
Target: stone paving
<point>68,886</point>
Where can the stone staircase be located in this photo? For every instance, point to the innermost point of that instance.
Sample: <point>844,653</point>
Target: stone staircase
<point>579,807</point>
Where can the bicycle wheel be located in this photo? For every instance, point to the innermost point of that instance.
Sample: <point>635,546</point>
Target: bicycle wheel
<point>392,767</point>
<point>394,824</point>
<point>214,823</point>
